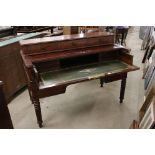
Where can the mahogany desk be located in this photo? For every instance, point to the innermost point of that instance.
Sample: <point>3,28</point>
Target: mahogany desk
<point>52,64</point>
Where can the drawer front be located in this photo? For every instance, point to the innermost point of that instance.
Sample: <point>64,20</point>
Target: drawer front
<point>114,77</point>
<point>106,40</point>
<point>81,43</point>
<point>68,44</point>
<point>46,47</point>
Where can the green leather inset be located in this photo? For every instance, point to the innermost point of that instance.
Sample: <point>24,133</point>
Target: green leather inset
<point>83,72</point>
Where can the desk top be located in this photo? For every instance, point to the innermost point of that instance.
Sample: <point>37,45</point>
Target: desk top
<point>84,72</point>
<point>65,37</point>
<point>17,38</point>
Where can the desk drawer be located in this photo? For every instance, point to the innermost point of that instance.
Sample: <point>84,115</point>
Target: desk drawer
<point>114,77</point>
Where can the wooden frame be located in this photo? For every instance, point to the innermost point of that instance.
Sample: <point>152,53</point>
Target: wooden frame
<point>51,55</point>
<point>5,119</point>
<point>11,68</point>
<point>148,120</point>
<point>134,125</point>
<point>147,102</point>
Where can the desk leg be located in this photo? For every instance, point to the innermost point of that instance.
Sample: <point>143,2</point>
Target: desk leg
<point>30,94</point>
<point>123,85</point>
<point>122,39</point>
<point>101,82</point>
<point>38,112</point>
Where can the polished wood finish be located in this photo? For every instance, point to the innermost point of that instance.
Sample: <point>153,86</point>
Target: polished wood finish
<point>123,85</point>
<point>67,30</point>
<point>11,69</point>
<point>134,125</point>
<point>5,119</point>
<point>74,29</point>
<point>52,64</point>
<point>147,102</point>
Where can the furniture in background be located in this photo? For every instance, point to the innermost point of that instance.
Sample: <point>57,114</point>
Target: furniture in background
<point>90,29</point>
<point>149,30</point>
<point>6,31</point>
<point>149,43</point>
<point>142,32</point>
<point>121,34</point>
<point>109,29</point>
<point>5,119</point>
<point>54,30</point>
<point>58,31</point>
<point>134,125</point>
<point>70,30</point>
<point>146,118</point>
<point>32,29</point>
<point>11,68</point>
<point>147,111</point>
<point>52,64</point>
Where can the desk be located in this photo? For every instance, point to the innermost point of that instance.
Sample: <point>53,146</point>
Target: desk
<point>52,64</point>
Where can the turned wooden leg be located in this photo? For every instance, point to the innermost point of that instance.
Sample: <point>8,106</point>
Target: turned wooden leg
<point>123,85</point>
<point>30,92</point>
<point>31,98</point>
<point>101,82</point>
<point>122,39</point>
<point>38,112</point>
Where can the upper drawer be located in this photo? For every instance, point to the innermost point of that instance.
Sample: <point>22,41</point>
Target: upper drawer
<point>104,40</point>
<point>68,44</point>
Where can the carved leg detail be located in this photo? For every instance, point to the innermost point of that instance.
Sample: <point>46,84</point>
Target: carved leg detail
<point>30,93</point>
<point>123,85</point>
<point>38,112</point>
<point>101,82</point>
<point>31,98</point>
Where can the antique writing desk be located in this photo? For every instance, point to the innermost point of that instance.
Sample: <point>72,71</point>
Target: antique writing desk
<point>51,64</point>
